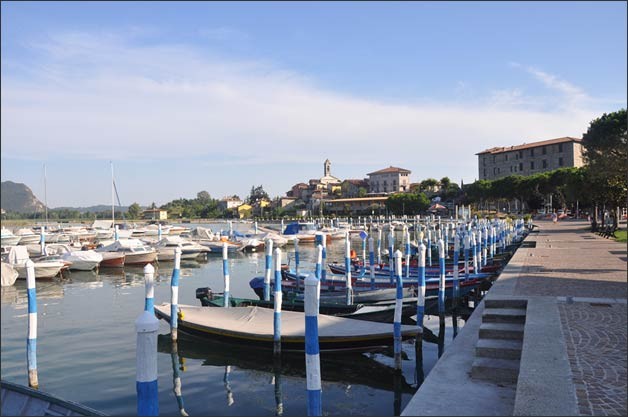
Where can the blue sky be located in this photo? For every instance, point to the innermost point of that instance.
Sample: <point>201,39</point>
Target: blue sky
<point>222,96</point>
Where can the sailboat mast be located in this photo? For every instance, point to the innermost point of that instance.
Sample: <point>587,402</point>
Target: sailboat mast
<point>113,218</point>
<point>45,195</point>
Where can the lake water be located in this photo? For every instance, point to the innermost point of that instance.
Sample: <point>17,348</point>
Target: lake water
<point>86,347</point>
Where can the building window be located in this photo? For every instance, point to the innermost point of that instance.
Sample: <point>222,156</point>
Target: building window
<point>531,164</point>
<point>532,152</point>
<point>520,166</point>
<point>560,161</point>
<point>484,161</point>
<point>511,168</point>
<point>494,171</point>
<point>544,162</point>
<point>544,150</point>
<point>560,147</point>
<point>484,172</point>
<point>493,158</point>
<point>505,157</point>
<point>521,154</point>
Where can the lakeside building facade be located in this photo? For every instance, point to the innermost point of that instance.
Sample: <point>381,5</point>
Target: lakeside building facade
<point>389,180</point>
<point>530,158</point>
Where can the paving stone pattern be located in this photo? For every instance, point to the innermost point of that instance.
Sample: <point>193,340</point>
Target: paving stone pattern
<point>595,335</point>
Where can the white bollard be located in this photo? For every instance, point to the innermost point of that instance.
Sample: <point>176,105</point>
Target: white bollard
<point>146,387</point>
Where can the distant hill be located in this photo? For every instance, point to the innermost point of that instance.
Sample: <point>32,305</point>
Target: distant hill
<point>19,198</point>
<point>95,209</point>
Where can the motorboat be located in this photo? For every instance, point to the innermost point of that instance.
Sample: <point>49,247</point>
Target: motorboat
<point>18,255</point>
<point>82,260</point>
<point>28,237</point>
<point>189,250</point>
<point>304,231</point>
<point>112,259</point>
<point>8,238</point>
<point>136,252</point>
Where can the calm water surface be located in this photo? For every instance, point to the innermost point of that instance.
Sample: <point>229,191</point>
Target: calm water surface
<point>86,347</point>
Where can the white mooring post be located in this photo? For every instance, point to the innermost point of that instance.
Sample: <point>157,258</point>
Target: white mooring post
<point>42,240</point>
<point>146,388</point>
<point>269,268</point>
<point>372,262</point>
<point>31,341</point>
<point>149,285</point>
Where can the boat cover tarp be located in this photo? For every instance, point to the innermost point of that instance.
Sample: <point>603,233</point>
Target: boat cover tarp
<point>9,275</point>
<point>18,255</point>
<point>257,322</point>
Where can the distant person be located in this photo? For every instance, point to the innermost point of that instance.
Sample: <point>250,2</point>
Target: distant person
<point>554,217</point>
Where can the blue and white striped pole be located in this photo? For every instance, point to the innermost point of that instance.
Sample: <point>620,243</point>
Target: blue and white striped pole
<point>230,230</point>
<point>391,254</point>
<point>146,387</point>
<point>159,231</point>
<point>407,235</point>
<point>312,357</point>
<point>479,250</point>
<point>277,299</point>
<point>174,293</point>
<point>348,270</point>
<point>474,247</point>
<point>441,282</point>
<point>372,262</point>
<point>363,235</point>
<point>484,246</point>
<point>115,233</point>
<point>149,284</point>
<point>379,245</point>
<point>429,246</point>
<point>296,262</point>
<point>42,240</point>
<point>31,340</point>
<point>324,261</point>
<point>269,268</point>
<point>446,238</point>
<point>456,289</point>
<point>398,308</point>
<point>420,301</point>
<point>467,244</point>
<point>225,273</point>
<point>281,230</point>
<point>255,226</point>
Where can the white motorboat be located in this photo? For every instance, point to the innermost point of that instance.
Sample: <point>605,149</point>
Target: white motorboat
<point>189,250</point>
<point>8,238</point>
<point>82,260</point>
<point>136,252</point>
<point>28,237</point>
<point>18,255</point>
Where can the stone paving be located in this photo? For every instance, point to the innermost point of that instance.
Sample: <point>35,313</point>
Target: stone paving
<point>595,334</point>
<point>587,273</point>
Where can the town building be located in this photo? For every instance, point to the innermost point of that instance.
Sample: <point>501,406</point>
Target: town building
<point>155,214</point>
<point>389,180</point>
<point>365,205</point>
<point>229,203</point>
<point>530,158</point>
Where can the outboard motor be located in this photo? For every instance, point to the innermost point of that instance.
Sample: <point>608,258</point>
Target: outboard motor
<point>204,292</point>
<point>257,284</point>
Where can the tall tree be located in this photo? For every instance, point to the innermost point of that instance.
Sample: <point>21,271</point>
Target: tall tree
<point>134,211</point>
<point>606,152</point>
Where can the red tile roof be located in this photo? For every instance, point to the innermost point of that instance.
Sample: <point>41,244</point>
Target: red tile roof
<point>390,170</point>
<point>500,149</point>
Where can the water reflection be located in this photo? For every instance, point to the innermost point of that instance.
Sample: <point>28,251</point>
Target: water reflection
<point>176,379</point>
<point>354,368</point>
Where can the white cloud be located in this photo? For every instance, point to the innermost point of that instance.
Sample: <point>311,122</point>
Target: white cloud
<point>100,96</point>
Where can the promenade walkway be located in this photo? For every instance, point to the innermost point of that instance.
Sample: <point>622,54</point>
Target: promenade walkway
<point>574,355</point>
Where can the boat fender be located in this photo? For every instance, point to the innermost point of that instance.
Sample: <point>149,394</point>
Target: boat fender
<point>180,315</point>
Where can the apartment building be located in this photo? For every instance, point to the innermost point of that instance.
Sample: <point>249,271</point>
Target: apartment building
<point>530,158</point>
<point>389,180</point>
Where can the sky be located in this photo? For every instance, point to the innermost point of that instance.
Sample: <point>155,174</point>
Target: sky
<point>175,98</point>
